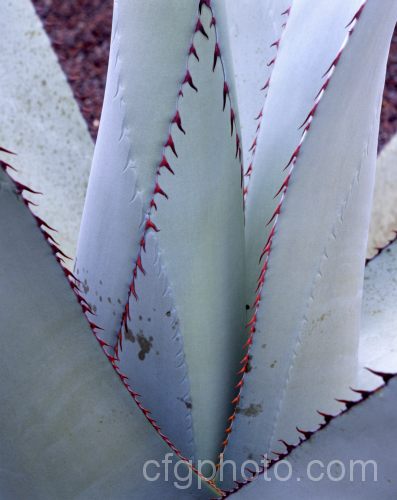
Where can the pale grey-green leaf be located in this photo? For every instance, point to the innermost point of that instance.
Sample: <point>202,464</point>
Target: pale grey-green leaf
<point>68,428</point>
<point>353,458</point>
<point>306,340</point>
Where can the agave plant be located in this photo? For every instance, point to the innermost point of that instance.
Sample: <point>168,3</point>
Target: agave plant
<point>220,267</point>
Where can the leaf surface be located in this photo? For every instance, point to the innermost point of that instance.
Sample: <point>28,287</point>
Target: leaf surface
<point>68,428</point>
<point>255,29</point>
<point>306,320</point>
<point>378,339</point>
<point>172,240</point>
<point>330,465</point>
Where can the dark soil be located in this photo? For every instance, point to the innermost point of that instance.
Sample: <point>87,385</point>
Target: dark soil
<point>388,126</point>
<point>80,32</point>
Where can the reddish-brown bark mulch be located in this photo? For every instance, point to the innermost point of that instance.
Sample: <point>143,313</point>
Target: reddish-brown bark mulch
<point>388,125</point>
<point>80,32</point>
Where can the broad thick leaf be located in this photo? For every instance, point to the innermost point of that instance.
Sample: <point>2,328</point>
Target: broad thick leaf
<point>306,323</point>
<point>353,457</point>
<point>153,359</point>
<point>42,121</point>
<point>366,432</point>
<point>126,158</point>
<point>378,337</point>
<point>165,203</point>
<point>68,427</point>
<point>147,60</point>
<point>384,210</point>
<point>254,28</point>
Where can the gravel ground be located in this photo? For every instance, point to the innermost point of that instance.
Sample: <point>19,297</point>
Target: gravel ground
<point>80,32</point>
<point>389,106</point>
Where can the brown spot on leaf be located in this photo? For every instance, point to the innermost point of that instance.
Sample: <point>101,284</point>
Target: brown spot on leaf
<point>128,335</point>
<point>145,345</point>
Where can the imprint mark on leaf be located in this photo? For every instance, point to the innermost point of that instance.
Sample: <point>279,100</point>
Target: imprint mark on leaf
<point>251,411</point>
<point>187,403</point>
